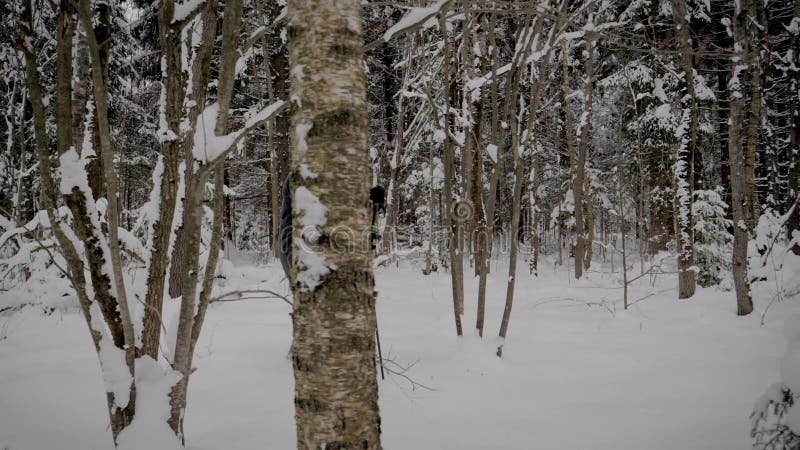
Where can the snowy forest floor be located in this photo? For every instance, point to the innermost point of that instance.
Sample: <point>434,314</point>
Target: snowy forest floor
<point>577,371</point>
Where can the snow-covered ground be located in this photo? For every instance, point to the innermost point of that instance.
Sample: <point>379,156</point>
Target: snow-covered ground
<point>577,371</point>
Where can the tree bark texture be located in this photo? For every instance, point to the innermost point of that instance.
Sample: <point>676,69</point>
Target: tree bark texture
<point>736,157</point>
<point>684,166</point>
<point>336,390</point>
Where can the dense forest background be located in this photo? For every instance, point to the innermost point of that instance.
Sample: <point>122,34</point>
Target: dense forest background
<point>660,136</point>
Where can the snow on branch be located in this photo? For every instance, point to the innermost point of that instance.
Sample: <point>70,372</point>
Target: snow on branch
<point>208,147</point>
<point>416,17</point>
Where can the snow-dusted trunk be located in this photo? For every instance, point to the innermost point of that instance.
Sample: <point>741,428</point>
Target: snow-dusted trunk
<point>621,215</point>
<point>336,389</point>
<point>393,193</point>
<point>172,92</point>
<point>794,175</point>
<point>589,248</point>
<point>755,110</point>
<point>736,156</point>
<point>514,241</point>
<point>77,199</point>
<point>193,306</point>
<point>275,138</point>
<point>684,164</point>
<point>107,317</point>
<point>640,216</point>
<point>578,180</point>
<point>122,409</point>
<point>431,217</point>
<point>535,212</point>
<point>478,225</point>
<point>450,209</point>
<point>485,229</point>
<point>529,38</point>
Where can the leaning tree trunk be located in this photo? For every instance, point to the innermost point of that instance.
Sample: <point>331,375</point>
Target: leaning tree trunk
<point>336,389</point>
<point>511,114</point>
<point>737,165</point>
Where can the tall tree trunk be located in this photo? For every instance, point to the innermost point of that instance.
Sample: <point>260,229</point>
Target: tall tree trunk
<point>336,390</point>
<point>533,33</point>
<point>514,244</point>
<point>536,212</point>
<point>578,180</point>
<point>736,156</point>
<point>450,207</point>
<point>754,113</point>
<point>793,224</point>
<point>106,154</point>
<point>173,84</point>
<point>684,166</point>
<point>486,219</point>
<point>589,248</point>
<point>621,215</point>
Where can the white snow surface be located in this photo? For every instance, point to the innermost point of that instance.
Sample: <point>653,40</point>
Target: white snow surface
<point>149,429</point>
<point>577,371</point>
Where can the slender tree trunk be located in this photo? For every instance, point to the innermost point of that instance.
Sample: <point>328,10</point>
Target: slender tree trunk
<point>737,164</point>
<point>172,92</point>
<point>578,180</point>
<point>535,179</point>
<point>535,34</point>
<point>514,244</point>
<point>486,224</point>
<point>589,247</point>
<point>621,216</point>
<point>336,390</point>
<point>684,166</point>
<point>432,218</point>
<point>754,115</point>
<point>793,224</point>
<point>450,207</point>
<point>185,263</point>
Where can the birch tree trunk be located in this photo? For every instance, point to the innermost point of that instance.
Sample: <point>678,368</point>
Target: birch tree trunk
<point>336,390</point>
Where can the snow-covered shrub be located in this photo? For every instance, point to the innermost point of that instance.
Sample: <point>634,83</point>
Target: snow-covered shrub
<point>769,428</point>
<point>252,235</point>
<point>30,267</point>
<point>771,259</point>
<point>712,239</point>
<point>776,416</point>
